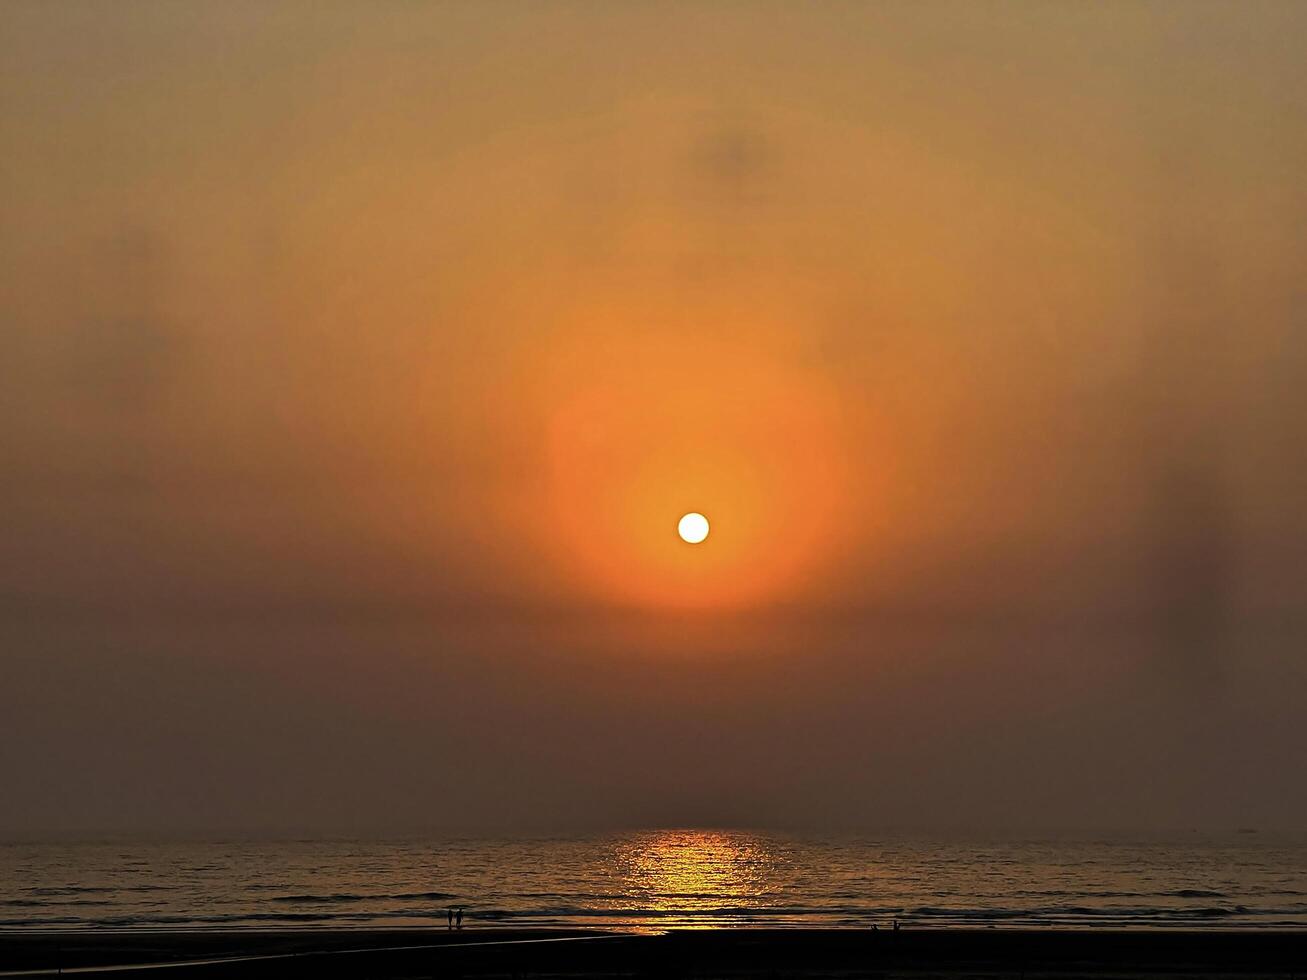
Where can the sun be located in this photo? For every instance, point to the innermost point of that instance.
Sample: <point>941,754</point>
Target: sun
<point>692,528</point>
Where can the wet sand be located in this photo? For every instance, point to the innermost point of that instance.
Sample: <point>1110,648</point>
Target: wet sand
<point>912,953</point>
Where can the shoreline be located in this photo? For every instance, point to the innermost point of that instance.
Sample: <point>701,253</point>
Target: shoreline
<point>918,953</point>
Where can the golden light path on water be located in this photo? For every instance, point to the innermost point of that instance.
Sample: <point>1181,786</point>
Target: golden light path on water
<point>689,877</point>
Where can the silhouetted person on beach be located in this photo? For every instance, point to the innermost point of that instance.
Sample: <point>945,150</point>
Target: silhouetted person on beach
<point>896,925</point>
<point>458,918</point>
<point>449,915</point>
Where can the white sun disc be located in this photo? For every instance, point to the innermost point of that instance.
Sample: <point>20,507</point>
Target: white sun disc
<point>693,527</point>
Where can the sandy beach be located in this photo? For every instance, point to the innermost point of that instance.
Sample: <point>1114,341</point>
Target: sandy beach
<point>708,953</point>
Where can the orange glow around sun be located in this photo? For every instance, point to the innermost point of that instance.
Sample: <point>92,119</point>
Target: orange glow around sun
<point>665,424</point>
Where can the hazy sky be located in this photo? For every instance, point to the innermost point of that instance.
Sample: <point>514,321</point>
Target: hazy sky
<point>356,361</point>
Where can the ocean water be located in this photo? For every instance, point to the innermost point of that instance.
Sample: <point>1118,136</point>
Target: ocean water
<point>658,880</point>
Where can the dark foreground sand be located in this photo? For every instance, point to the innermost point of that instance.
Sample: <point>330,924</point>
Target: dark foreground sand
<point>912,953</point>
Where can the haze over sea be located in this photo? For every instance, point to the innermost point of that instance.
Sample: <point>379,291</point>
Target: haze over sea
<point>661,879</point>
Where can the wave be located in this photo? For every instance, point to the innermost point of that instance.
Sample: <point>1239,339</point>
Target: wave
<point>1073,893</point>
<point>348,897</point>
<point>1088,912</point>
<point>122,921</point>
<point>1193,893</point>
<point>75,890</point>
<point>778,915</point>
<point>96,889</point>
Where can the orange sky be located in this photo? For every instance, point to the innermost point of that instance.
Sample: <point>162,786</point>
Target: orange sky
<point>862,289</point>
<point>941,313</point>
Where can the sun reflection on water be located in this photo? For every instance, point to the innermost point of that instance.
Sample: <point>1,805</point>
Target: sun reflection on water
<point>694,878</point>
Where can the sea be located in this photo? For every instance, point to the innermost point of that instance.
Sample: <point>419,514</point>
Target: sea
<point>657,880</point>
